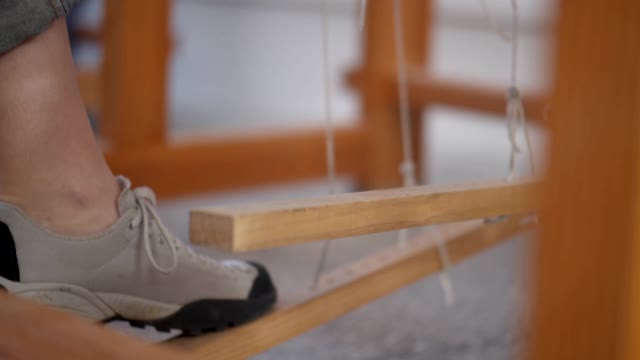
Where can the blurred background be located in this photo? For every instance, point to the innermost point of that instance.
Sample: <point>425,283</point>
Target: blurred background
<point>246,69</point>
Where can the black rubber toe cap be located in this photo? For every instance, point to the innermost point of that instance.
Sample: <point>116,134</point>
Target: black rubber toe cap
<point>262,285</point>
<point>216,314</point>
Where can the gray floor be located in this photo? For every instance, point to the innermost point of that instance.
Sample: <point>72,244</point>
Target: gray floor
<point>239,67</point>
<point>415,323</point>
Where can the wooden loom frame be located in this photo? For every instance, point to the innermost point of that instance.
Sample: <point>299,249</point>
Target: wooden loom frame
<point>586,290</point>
<point>132,99</point>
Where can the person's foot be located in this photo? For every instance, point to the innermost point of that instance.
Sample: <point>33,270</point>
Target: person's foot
<point>135,270</point>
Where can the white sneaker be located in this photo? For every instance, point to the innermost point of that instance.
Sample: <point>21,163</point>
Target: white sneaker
<point>136,271</point>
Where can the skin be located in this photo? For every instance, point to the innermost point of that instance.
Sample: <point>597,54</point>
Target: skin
<point>51,166</point>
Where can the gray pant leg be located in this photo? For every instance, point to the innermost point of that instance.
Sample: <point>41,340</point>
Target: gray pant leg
<point>23,19</point>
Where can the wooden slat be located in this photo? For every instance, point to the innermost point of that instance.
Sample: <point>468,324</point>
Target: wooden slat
<point>586,262</point>
<point>350,288</point>
<point>29,331</point>
<point>207,165</point>
<point>258,226</point>
<point>425,91</point>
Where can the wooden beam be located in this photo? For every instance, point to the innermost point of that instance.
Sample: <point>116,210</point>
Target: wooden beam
<point>134,73</point>
<point>207,165</point>
<point>259,226</point>
<point>380,114</point>
<point>585,297</point>
<point>85,33</point>
<point>632,325</point>
<point>425,91</point>
<point>350,288</point>
<point>30,331</point>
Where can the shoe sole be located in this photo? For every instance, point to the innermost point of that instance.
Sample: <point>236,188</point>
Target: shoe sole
<point>194,318</point>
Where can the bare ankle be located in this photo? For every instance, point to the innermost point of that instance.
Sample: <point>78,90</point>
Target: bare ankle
<point>71,212</point>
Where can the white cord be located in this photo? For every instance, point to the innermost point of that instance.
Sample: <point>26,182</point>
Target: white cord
<point>515,110</point>
<point>493,23</point>
<point>362,14</point>
<point>515,107</point>
<point>329,138</point>
<point>328,107</point>
<point>516,118</point>
<point>515,39</point>
<point>407,168</point>
<point>445,280</point>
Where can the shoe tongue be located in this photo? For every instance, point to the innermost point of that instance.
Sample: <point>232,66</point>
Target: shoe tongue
<point>126,200</point>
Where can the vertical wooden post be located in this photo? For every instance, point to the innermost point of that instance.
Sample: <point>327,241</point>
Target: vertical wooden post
<point>380,109</point>
<point>136,49</point>
<point>632,326</point>
<point>587,257</point>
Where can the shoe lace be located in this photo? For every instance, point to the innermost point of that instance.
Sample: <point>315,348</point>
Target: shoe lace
<point>146,201</point>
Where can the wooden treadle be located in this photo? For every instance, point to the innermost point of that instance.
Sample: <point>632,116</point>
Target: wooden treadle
<point>30,331</point>
<point>351,287</point>
<point>253,227</point>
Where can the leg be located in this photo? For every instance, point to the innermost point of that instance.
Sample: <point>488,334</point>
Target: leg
<point>49,158</point>
<point>75,237</point>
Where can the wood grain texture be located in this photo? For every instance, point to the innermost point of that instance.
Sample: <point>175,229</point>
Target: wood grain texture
<point>216,164</point>
<point>29,331</point>
<point>586,254</point>
<point>280,223</point>
<point>351,287</point>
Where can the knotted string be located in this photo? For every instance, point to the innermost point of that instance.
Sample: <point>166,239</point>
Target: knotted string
<point>516,119</point>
